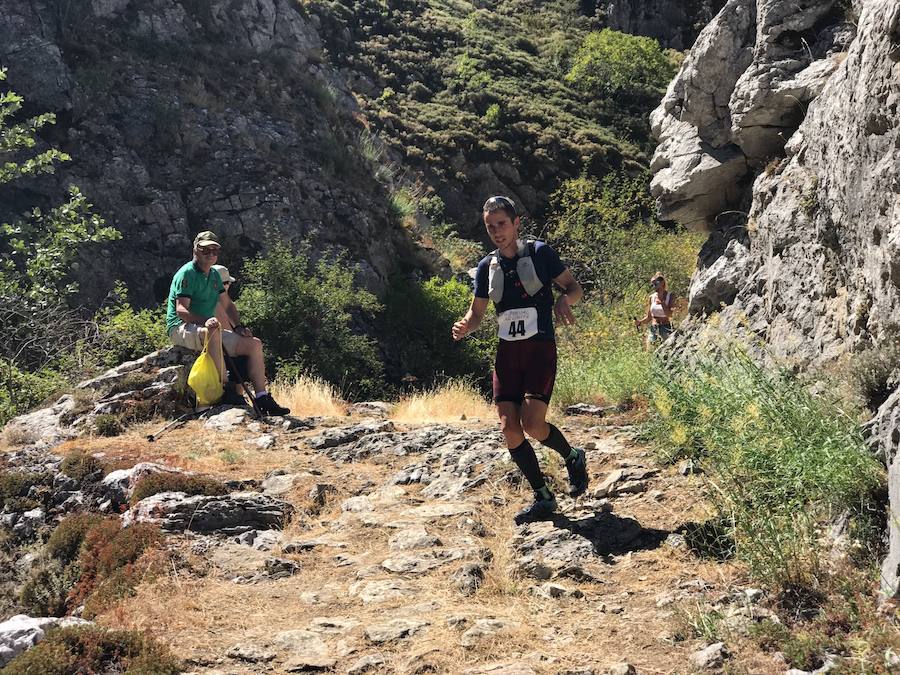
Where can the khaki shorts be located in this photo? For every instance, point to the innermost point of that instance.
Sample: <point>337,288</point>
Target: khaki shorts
<point>188,335</point>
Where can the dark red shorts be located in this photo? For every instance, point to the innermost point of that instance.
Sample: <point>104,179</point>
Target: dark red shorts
<point>525,369</point>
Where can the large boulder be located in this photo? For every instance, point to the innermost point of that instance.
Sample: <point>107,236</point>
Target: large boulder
<point>231,514</point>
<point>742,91</point>
<point>820,278</point>
<point>181,116</point>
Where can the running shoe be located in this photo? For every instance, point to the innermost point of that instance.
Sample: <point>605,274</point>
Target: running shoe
<point>540,509</point>
<point>578,475</point>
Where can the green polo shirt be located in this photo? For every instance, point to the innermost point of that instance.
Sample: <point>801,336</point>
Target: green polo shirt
<point>202,289</point>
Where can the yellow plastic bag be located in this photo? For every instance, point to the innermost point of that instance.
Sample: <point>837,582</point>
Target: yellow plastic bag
<point>205,380</point>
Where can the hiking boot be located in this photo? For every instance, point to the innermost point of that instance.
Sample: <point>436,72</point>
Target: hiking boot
<point>578,475</point>
<point>268,406</point>
<point>539,509</point>
<point>232,396</point>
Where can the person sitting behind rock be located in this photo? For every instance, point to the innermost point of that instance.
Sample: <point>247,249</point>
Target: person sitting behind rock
<point>227,280</point>
<point>196,296</point>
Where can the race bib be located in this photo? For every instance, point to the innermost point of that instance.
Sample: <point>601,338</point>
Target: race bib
<point>517,324</point>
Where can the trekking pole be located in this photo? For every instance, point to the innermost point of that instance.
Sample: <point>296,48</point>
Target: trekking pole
<point>177,422</point>
<point>257,413</point>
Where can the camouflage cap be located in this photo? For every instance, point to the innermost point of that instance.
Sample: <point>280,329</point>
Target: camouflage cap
<point>206,238</point>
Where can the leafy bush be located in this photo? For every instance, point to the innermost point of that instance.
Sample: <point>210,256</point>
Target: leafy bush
<point>108,424</point>
<point>176,482</point>
<point>22,390</point>
<point>65,542</point>
<point>417,321</point>
<point>47,589</point>
<point>610,62</point>
<point>92,649</point>
<point>873,372</point>
<point>780,460</point>
<point>16,485</point>
<point>125,334</point>
<point>607,231</point>
<point>311,315</point>
<point>81,466</point>
<point>601,358</point>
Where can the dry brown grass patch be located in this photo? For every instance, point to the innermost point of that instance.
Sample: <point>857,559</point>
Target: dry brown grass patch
<point>309,397</point>
<point>450,402</point>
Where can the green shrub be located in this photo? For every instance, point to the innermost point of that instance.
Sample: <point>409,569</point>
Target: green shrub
<point>176,482</point>
<point>92,649</point>
<point>493,115</point>
<point>416,322</point>
<point>65,541</point>
<point>125,334</point>
<point>610,62</point>
<point>780,461</point>
<point>108,424</point>
<point>312,316</point>
<point>15,486</point>
<point>82,466</point>
<point>607,232</point>
<point>873,372</point>
<point>47,589</point>
<point>21,391</point>
<point>601,358</point>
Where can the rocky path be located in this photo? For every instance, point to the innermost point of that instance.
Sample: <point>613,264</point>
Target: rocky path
<point>358,544</point>
<point>401,556</point>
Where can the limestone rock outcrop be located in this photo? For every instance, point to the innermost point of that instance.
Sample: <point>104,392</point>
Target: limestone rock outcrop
<point>742,91</point>
<point>811,271</point>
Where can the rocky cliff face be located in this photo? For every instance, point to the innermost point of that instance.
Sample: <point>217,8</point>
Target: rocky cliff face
<point>810,91</point>
<point>182,116</point>
<point>674,24</point>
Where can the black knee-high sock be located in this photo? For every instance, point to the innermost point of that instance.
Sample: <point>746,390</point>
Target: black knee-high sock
<point>558,442</point>
<point>526,460</point>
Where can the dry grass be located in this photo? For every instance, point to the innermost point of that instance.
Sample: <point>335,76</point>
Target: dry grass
<point>309,397</point>
<point>450,402</point>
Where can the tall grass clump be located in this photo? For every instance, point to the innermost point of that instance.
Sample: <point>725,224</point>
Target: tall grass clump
<point>444,403</point>
<point>781,462</point>
<point>602,359</point>
<point>308,396</point>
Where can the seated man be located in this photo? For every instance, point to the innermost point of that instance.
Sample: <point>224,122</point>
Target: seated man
<point>194,296</point>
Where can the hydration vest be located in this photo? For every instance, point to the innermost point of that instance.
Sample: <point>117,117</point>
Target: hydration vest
<point>524,266</point>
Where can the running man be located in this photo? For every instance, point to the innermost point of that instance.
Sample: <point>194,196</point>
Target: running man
<point>518,277</point>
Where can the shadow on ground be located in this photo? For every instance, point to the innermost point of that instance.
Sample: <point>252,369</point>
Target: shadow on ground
<point>612,535</point>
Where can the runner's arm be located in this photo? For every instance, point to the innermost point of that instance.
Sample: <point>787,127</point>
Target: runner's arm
<point>571,295</point>
<point>472,320</point>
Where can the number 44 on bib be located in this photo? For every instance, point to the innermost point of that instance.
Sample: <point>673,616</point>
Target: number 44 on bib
<point>517,324</point>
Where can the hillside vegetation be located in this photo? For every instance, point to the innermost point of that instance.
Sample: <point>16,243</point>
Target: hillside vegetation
<point>510,94</point>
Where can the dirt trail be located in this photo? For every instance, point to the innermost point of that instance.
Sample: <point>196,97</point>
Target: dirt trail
<point>380,573</point>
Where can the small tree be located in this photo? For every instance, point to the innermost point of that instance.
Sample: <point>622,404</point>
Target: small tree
<point>611,62</point>
<point>36,253</point>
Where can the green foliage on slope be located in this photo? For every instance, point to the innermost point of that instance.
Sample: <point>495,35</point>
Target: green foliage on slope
<point>454,85</point>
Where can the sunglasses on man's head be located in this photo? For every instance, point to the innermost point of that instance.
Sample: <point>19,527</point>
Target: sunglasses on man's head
<point>498,201</point>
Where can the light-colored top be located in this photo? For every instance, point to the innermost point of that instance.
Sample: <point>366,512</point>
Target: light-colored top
<point>657,311</point>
